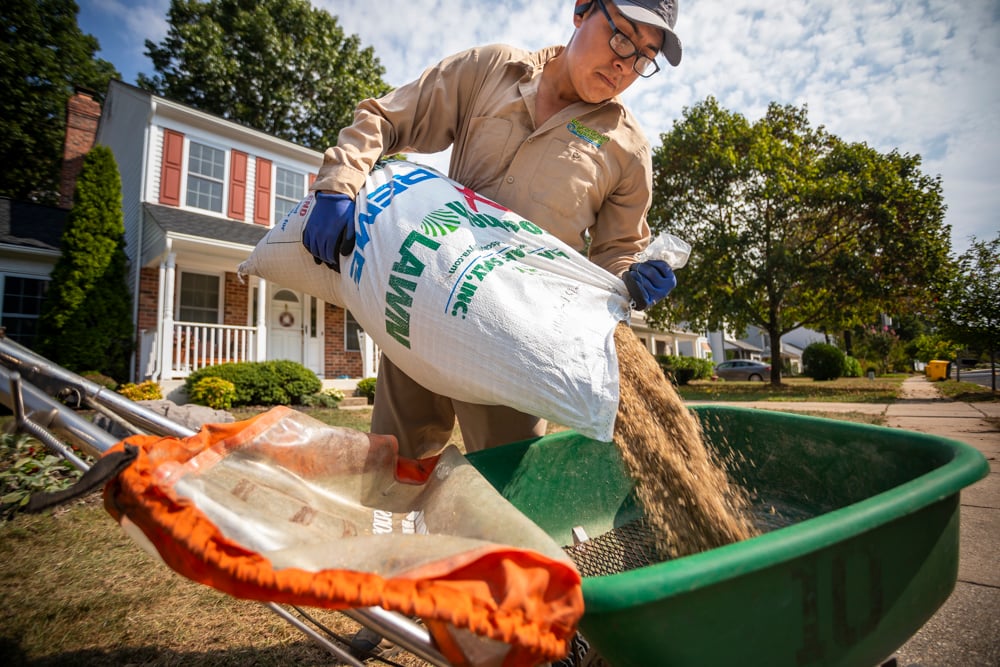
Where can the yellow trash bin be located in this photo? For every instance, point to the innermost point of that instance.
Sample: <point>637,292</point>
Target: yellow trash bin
<point>937,370</point>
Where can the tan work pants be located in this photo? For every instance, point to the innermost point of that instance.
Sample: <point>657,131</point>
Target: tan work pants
<point>423,421</point>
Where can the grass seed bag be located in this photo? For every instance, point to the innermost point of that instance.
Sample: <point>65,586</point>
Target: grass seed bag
<point>469,299</point>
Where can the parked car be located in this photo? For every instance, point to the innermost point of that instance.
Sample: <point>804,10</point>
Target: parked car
<point>743,369</point>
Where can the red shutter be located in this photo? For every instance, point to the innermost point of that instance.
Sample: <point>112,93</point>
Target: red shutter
<point>171,167</point>
<point>312,179</point>
<point>238,186</point>
<point>262,193</point>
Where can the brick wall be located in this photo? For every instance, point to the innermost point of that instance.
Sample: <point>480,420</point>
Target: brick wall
<point>82,116</point>
<point>237,299</point>
<point>149,285</point>
<point>338,361</point>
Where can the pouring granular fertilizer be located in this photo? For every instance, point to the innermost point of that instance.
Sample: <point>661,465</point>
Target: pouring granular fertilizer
<point>689,502</point>
<point>476,303</point>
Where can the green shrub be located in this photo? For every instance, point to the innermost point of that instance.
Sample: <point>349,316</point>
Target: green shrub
<point>86,317</point>
<point>101,379</point>
<point>144,391</point>
<point>822,361</point>
<point>263,382</point>
<point>27,468</point>
<point>852,367</point>
<point>215,392</point>
<point>681,370</point>
<point>328,398</point>
<point>366,388</point>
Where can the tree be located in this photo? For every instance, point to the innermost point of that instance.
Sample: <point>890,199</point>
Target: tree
<point>45,58</point>
<point>85,323</point>
<point>278,66</point>
<point>969,309</point>
<point>791,226</point>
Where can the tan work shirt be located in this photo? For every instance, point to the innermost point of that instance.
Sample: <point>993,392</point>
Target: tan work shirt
<point>586,170</point>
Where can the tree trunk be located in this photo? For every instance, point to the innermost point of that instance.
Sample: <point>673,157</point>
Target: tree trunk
<point>775,338</point>
<point>993,370</point>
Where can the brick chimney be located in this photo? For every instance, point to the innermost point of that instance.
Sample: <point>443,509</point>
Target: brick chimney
<point>82,116</point>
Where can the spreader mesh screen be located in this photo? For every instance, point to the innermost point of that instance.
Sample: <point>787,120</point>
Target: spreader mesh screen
<point>624,548</point>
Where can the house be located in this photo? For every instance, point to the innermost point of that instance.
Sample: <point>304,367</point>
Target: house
<point>29,247</point>
<point>677,342</point>
<point>792,344</point>
<point>198,193</point>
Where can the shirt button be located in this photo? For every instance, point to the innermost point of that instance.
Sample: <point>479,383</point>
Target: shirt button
<point>530,139</point>
<point>510,179</point>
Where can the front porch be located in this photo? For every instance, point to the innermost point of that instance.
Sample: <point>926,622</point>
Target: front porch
<point>194,311</point>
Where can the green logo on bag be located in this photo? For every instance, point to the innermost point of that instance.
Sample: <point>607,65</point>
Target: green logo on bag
<point>440,223</point>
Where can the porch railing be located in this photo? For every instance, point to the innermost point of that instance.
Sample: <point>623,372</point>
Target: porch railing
<point>198,345</point>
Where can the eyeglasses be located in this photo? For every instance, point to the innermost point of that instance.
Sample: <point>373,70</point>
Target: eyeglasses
<point>626,48</point>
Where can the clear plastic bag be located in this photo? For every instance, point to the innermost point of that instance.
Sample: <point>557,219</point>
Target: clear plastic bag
<point>668,248</point>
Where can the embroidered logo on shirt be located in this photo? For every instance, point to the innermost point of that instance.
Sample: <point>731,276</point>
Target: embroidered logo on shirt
<point>587,134</point>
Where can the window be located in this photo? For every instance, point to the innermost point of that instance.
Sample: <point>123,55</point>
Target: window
<point>313,313</point>
<point>199,298</point>
<point>289,188</point>
<point>22,304</point>
<point>206,172</point>
<point>351,329</point>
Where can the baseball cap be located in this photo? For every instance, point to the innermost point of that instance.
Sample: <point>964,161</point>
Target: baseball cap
<point>661,14</point>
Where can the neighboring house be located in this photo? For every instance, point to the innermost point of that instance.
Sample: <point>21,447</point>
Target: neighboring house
<point>198,193</point>
<point>29,247</point>
<point>676,342</point>
<point>792,344</point>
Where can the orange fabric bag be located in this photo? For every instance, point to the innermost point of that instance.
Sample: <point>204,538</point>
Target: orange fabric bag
<point>284,508</point>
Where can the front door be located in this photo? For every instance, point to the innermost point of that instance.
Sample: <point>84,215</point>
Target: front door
<point>285,326</point>
<point>314,335</point>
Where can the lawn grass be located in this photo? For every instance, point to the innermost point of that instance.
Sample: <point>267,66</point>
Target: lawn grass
<point>843,390</point>
<point>78,591</point>
<point>969,392</point>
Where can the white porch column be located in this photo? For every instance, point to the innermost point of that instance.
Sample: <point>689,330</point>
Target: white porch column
<point>717,341</point>
<point>167,339</point>
<point>261,320</point>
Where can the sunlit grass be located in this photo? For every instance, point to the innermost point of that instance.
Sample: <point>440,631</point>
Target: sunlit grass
<point>969,392</point>
<point>843,390</point>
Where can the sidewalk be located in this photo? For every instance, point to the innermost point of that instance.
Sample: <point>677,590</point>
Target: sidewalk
<point>965,632</point>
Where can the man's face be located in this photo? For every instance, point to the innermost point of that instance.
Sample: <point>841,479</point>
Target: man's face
<point>597,72</point>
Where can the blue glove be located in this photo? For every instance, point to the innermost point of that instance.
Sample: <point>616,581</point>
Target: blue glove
<point>329,232</point>
<point>648,282</point>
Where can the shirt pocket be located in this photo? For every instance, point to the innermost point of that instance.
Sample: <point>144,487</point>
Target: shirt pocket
<point>567,180</point>
<point>487,140</point>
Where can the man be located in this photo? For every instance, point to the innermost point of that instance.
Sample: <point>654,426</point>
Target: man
<point>543,134</point>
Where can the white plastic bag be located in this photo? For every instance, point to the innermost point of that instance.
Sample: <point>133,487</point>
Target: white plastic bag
<point>466,297</point>
<point>667,248</point>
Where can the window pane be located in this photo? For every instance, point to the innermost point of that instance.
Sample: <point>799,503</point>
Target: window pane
<point>199,298</point>
<point>351,329</point>
<point>289,188</point>
<point>206,168</point>
<point>22,303</point>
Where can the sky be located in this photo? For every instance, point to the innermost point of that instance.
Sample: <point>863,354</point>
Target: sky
<point>918,76</point>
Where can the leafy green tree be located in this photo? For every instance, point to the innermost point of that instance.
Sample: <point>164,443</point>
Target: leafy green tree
<point>85,323</point>
<point>44,57</point>
<point>791,226</point>
<point>969,309</point>
<point>279,66</point>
